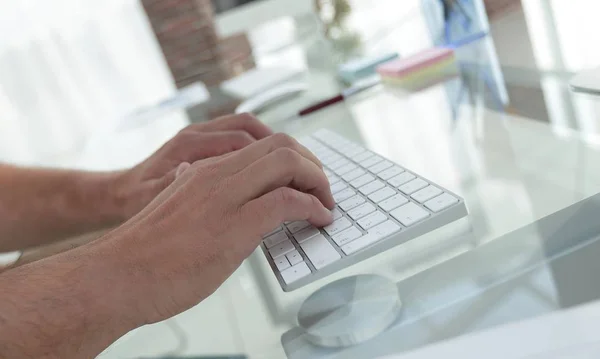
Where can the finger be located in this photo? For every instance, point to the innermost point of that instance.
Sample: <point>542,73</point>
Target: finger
<point>262,148</point>
<point>242,122</point>
<point>283,204</point>
<point>193,146</point>
<point>181,169</point>
<point>283,168</point>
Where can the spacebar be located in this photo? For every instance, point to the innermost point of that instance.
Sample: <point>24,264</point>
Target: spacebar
<point>320,252</point>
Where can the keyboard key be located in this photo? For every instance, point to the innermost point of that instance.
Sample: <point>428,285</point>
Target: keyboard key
<point>320,252</point>
<point>329,160</point>
<point>294,257</point>
<point>390,173</point>
<point>360,243</point>
<point>363,156</point>
<point>363,180</point>
<point>333,179</point>
<point>273,232</point>
<point>337,226</point>
<point>372,220</point>
<point>393,202</point>
<point>305,234</point>
<point>297,226</point>
<point>384,229</point>
<point>281,249</point>
<point>426,194</point>
<point>441,202</point>
<point>353,152</point>
<point>345,169</point>
<point>343,195</point>
<point>352,175</point>
<point>371,187</point>
<point>352,203</point>
<point>371,161</point>
<point>382,194</point>
<point>339,164</point>
<point>347,236</point>
<point>409,214</point>
<point>380,167</point>
<point>275,239</point>
<point>294,273</point>
<point>413,186</point>
<point>401,179</point>
<point>361,211</point>
<point>340,186</point>
<point>282,263</point>
<point>337,214</point>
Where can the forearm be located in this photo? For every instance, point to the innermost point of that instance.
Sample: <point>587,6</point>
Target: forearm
<point>38,206</point>
<point>72,305</point>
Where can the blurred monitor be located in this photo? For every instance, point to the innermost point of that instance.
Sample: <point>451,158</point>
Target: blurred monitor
<point>236,16</point>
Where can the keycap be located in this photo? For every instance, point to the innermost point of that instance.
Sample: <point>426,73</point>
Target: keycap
<point>330,160</point>
<point>360,243</point>
<point>352,175</point>
<point>426,194</point>
<point>413,186</point>
<point>282,263</point>
<point>363,180</point>
<point>393,202</point>
<point>337,226</point>
<point>333,179</point>
<point>363,156</point>
<point>297,226</point>
<point>337,214</point>
<point>343,195</point>
<point>390,173</point>
<point>273,232</point>
<point>382,194</point>
<point>361,211</point>
<point>294,273</point>
<point>409,214</point>
<point>384,229</point>
<point>401,179</point>
<point>354,152</point>
<point>371,187</point>
<point>282,248</point>
<point>345,169</point>
<point>347,236</point>
<point>441,202</point>
<point>380,167</point>
<point>294,257</point>
<point>339,164</point>
<point>275,239</point>
<point>320,252</point>
<point>340,186</point>
<point>352,203</point>
<point>372,220</point>
<point>371,161</point>
<point>305,234</point>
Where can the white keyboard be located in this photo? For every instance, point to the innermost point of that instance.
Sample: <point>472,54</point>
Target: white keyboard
<point>379,205</point>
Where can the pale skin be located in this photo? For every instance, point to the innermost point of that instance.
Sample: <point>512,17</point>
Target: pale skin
<point>186,219</point>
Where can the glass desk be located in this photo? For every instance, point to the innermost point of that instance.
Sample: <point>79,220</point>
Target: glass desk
<point>507,135</point>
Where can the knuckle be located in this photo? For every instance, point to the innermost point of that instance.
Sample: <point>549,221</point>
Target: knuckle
<point>287,157</point>
<point>284,140</point>
<point>287,196</point>
<point>247,116</point>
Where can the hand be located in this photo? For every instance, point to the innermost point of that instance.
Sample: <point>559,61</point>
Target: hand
<point>195,234</point>
<point>140,185</point>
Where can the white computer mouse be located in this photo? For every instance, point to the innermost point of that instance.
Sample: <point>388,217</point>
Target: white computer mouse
<point>271,97</point>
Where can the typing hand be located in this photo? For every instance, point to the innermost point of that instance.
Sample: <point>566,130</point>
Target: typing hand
<point>192,237</point>
<point>140,185</point>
